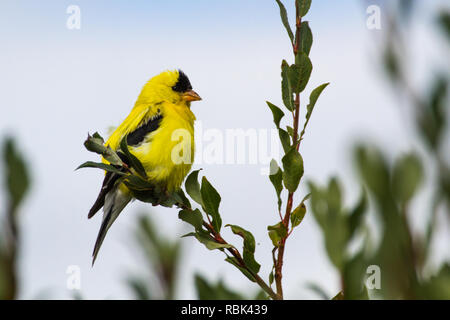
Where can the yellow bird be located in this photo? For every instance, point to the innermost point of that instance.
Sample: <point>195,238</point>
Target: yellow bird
<point>160,133</point>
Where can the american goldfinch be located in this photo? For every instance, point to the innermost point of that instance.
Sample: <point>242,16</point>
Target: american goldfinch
<point>160,124</point>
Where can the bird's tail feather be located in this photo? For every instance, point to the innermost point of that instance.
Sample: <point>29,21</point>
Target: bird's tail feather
<point>115,202</point>
<point>108,184</point>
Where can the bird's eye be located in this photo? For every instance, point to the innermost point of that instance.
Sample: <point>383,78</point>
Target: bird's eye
<point>183,84</point>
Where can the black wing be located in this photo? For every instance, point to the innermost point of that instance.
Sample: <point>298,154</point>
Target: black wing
<point>138,135</point>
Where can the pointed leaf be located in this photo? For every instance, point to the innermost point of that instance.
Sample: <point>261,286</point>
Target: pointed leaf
<point>209,242</point>
<point>286,88</point>
<point>181,199</point>
<point>211,201</point>
<point>407,176</point>
<point>194,218</point>
<point>315,94</point>
<point>357,214</point>
<point>306,38</point>
<point>304,63</point>
<point>193,187</point>
<point>17,177</point>
<point>284,19</point>
<point>276,177</point>
<point>106,167</point>
<point>136,183</point>
<point>285,139</point>
<point>303,7</point>
<point>235,263</point>
<point>276,112</point>
<point>95,143</point>
<point>249,247</point>
<point>312,102</point>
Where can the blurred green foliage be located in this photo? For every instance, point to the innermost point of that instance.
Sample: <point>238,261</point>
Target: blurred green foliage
<point>163,261</point>
<point>16,186</point>
<point>219,291</point>
<point>162,257</point>
<point>401,254</point>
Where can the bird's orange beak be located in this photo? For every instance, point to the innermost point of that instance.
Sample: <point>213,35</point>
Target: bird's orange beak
<point>191,95</point>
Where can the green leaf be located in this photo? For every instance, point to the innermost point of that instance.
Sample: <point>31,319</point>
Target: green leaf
<point>286,87</point>
<point>290,130</point>
<point>293,169</point>
<point>318,290</point>
<point>194,218</point>
<point>134,162</point>
<point>209,242</point>
<point>136,183</point>
<point>211,201</point>
<point>354,273</point>
<point>190,234</point>
<point>96,143</point>
<point>276,233</point>
<point>305,68</point>
<point>357,214</point>
<point>193,187</point>
<point>432,119</point>
<point>181,199</point>
<point>374,171</point>
<point>327,211</point>
<point>106,167</point>
<point>249,247</point>
<point>285,140</point>
<point>284,19</point>
<point>298,214</point>
<point>214,291</point>
<point>97,135</point>
<point>334,195</point>
<point>407,176</point>
<point>17,177</point>
<point>276,177</point>
<point>444,22</point>
<point>306,38</point>
<point>294,75</point>
<point>139,288</point>
<point>391,62</point>
<point>271,277</point>
<point>315,94</point>
<point>303,7</point>
<point>235,263</point>
<point>276,112</point>
<point>437,287</point>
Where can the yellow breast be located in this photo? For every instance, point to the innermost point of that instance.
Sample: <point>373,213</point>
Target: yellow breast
<point>168,153</point>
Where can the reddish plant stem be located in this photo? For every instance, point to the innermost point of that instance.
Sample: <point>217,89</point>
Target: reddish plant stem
<point>235,253</point>
<point>289,205</point>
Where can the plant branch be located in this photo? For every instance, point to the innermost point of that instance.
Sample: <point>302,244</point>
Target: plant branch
<point>235,253</point>
<point>289,205</point>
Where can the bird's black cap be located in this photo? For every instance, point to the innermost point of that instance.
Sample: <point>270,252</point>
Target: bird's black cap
<point>183,84</point>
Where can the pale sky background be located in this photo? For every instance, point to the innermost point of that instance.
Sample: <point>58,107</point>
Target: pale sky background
<point>57,85</point>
